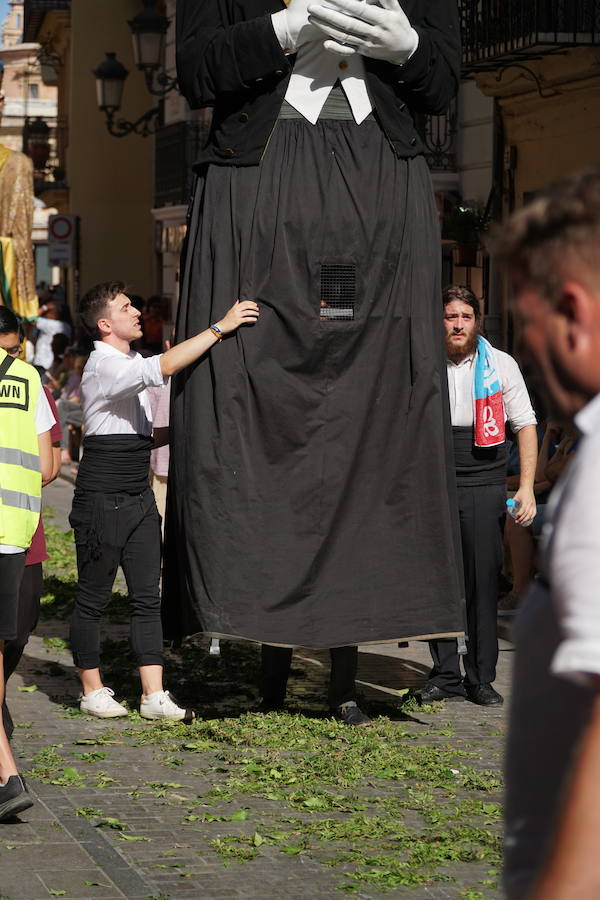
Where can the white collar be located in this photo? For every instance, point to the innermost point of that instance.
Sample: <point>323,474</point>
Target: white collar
<point>467,360</point>
<point>108,350</point>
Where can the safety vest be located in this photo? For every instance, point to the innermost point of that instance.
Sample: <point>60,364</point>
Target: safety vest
<point>20,478</point>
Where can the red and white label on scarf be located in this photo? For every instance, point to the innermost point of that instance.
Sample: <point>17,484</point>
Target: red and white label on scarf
<point>489,420</point>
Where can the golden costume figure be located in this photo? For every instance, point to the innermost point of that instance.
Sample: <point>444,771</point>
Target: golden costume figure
<point>17,271</point>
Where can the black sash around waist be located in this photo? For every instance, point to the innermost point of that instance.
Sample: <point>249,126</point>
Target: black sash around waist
<point>115,464</point>
<point>477,465</point>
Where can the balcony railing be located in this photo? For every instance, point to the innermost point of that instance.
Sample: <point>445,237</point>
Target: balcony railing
<point>177,147</point>
<point>438,134</point>
<point>494,31</point>
<point>34,12</point>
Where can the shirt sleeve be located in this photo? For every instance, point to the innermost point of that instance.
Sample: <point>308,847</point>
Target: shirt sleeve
<point>278,20</point>
<point>517,404</point>
<point>56,430</point>
<point>573,567</point>
<point>216,55</point>
<point>121,377</point>
<point>44,420</point>
<point>46,326</point>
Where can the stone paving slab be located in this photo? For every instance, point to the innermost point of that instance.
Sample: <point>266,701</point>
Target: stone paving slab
<point>57,850</point>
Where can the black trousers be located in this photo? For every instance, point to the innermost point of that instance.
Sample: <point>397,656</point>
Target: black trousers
<point>32,585</point>
<point>275,669</point>
<point>11,573</point>
<point>481,513</point>
<point>112,530</point>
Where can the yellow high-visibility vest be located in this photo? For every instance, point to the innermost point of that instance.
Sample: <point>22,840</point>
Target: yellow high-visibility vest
<point>20,477</point>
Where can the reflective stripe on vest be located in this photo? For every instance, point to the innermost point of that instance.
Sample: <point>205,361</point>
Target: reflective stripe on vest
<point>20,477</point>
<point>19,458</point>
<point>20,500</point>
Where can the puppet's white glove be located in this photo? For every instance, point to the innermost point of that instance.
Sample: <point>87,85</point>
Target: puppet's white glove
<point>380,31</point>
<point>292,27</point>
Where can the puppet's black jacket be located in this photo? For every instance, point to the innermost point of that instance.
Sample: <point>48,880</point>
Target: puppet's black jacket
<point>228,57</point>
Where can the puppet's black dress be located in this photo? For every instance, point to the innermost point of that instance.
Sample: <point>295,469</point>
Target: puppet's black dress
<point>311,495</point>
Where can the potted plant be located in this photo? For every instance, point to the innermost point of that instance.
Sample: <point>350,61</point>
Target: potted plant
<point>464,225</point>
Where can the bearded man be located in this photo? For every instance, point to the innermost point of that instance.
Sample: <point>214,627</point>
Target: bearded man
<point>486,389</point>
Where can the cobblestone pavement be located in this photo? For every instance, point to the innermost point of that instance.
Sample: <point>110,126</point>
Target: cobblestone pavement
<point>124,809</point>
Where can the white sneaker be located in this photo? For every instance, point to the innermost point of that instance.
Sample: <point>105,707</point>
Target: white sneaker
<point>160,705</point>
<point>100,703</point>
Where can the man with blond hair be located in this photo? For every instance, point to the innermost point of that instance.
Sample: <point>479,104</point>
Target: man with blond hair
<point>551,249</point>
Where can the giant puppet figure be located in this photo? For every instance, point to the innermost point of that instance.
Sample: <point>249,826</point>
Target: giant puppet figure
<point>311,495</point>
<point>17,270</point>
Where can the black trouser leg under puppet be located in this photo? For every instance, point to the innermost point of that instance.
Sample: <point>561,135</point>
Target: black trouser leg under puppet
<point>275,669</point>
<point>481,510</point>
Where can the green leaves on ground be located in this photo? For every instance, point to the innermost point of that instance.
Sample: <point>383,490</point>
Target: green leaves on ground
<point>404,803</point>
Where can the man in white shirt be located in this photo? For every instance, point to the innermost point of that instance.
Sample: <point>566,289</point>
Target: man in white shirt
<point>480,459</point>
<point>114,515</point>
<point>553,755</point>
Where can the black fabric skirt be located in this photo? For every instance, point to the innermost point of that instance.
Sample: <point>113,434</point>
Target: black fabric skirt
<point>311,497</point>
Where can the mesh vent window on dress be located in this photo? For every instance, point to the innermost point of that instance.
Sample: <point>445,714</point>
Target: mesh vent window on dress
<point>338,291</point>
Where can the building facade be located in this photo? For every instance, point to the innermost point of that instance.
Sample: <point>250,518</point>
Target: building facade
<point>539,65</point>
<point>26,96</point>
<point>106,182</point>
<point>527,112</point>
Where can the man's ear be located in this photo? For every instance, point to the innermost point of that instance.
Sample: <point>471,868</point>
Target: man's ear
<point>578,309</point>
<point>104,326</point>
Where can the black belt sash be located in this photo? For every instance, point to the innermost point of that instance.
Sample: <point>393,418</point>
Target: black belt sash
<point>111,464</point>
<point>115,464</point>
<point>477,465</point>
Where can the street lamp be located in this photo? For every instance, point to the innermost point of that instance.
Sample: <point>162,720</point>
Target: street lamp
<point>148,30</point>
<point>110,80</point>
<point>49,63</point>
<point>37,140</point>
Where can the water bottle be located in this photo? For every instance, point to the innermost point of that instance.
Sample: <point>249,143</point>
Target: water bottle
<point>512,508</point>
